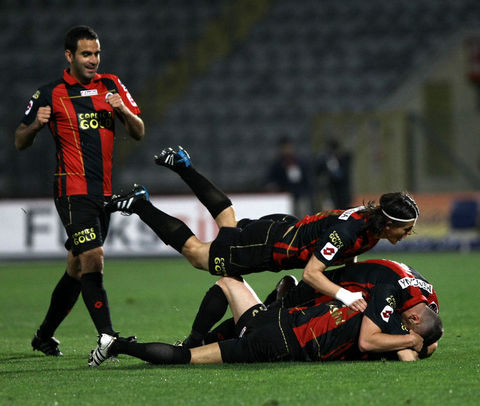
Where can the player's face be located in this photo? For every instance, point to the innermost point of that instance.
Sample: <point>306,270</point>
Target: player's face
<point>396,234</point>
<point>84,63</point>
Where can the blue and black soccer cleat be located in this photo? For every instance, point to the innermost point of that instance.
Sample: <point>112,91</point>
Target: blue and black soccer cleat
<point>173,159</point>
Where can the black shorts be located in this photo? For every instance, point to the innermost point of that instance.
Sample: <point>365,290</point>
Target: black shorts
<point>238,251</point>
<point>267,337</point>
<point>85,221</point>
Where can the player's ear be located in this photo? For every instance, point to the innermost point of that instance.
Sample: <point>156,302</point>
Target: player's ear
<point>414,318</point>
<point>68,56</point>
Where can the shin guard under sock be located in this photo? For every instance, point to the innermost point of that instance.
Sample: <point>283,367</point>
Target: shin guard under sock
<point>155,353</point>
<point>95,298</point>
<point>172,231</point>
<point>213,307</point>
<point>64,297</point>
<point>211,197</point>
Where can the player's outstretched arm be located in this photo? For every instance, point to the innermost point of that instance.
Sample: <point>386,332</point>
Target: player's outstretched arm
<point>314,276</point>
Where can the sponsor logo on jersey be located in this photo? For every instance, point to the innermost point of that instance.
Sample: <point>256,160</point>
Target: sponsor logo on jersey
<point>84,236</point>
<point>129,96</point>
<point>391,301</point>
<point>386,313</point>
<point>95,120</point>
<point>219,266</point>
<point>329,251</point>
<point>416,283</point>
<point>347,213</point>
<point>36,95</point>
<point>335,239</point>
<point>92,92</point>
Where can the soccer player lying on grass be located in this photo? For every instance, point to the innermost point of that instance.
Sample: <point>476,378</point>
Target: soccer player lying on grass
<point>397,285</point>
<point>275,242</point>
<point>325,332</point>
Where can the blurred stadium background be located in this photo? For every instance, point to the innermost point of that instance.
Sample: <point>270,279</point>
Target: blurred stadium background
<point>395,82</point>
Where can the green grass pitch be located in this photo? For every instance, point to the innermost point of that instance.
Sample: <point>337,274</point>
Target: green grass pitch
<point>157,300</point>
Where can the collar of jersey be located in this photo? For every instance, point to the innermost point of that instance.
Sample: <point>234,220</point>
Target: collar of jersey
<point>72,81</point>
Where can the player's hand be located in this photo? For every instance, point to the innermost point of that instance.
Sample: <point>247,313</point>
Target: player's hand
<point>359,305</point>
<point>115,100</point>
<point>43,116</point>
<point>354,300</point>
<point>417,341</point>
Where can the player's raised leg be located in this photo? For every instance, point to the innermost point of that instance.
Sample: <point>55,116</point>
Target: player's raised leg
<point>171,230</point>
<point>215,201</point>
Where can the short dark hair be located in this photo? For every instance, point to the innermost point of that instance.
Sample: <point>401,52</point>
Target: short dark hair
<point>77,33</point>
<point>431,327</point>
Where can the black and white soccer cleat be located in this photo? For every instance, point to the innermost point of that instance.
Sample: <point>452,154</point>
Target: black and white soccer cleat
<point>123,203</point>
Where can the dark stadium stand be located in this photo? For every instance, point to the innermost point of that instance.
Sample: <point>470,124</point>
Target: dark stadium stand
<point>292,60</point>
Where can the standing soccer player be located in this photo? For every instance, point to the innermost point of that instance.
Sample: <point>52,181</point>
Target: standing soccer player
<point>80,110</point>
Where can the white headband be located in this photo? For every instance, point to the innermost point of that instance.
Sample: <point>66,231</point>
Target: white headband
<point>397,219</point>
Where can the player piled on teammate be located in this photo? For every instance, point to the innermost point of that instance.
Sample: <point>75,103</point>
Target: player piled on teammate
<point>324,332</point>
<point>275,242</point>
<point>402,287</point>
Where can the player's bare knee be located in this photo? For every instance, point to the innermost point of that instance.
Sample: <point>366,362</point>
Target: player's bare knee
<point>196,253</point>
<point>92,260</point>
<point>226,218</point>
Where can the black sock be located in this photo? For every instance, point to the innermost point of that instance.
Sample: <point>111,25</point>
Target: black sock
<point>172,231</point>
<point>224,331</point>
<point>155,353</point>
<point>272,296</point>
<point>212,309</point>
<point>211,197</point>
<point>95,298</point>
<point>63,298</point>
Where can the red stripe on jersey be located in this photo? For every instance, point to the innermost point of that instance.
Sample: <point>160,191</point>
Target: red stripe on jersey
<point>359,246</point>
<point>335,354</point>
<point>317,326</point>
<point>70,170</point>
<point>319,216</point>
<point>106,139</point>
<point>404,272</point>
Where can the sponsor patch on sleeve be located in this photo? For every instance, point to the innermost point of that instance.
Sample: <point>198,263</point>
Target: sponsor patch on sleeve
<point>329,250</point>
<point>386,313</point>
<point>29,108</point>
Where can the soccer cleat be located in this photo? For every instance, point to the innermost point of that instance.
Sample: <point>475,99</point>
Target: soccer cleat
<point>173,159</point>
<point>101,353</point>
<point>49,346</point>
<point>123,203</point>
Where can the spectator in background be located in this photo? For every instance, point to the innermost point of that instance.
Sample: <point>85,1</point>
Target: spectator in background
<point>335,165</point>
<point>289,172</point>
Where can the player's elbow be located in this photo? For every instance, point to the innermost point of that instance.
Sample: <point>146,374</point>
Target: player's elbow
<point>308,275</point>
<point>365,345</point>
<point>20,146</point>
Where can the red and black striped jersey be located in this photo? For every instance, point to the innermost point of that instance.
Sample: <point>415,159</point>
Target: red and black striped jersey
<point>326,329</point>
<point>332,236</point>
<point>329,331</point>
<point>83,128</point>
<point>405,285</point>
